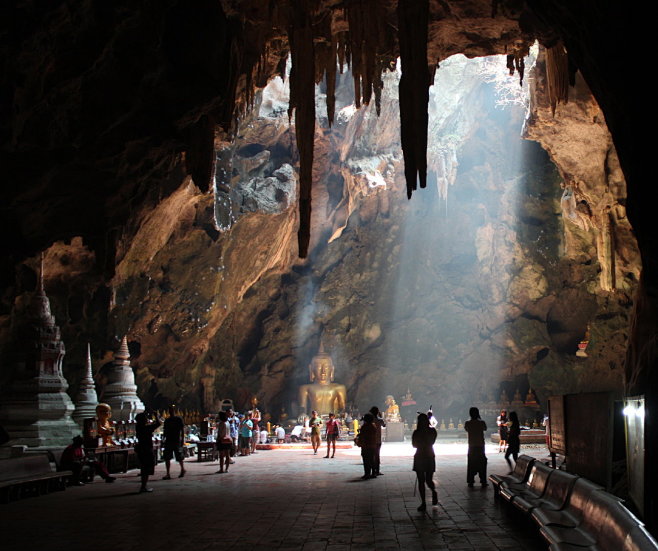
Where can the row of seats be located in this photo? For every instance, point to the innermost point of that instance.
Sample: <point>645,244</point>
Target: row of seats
<point>572,513</point>
<point>29,475</point>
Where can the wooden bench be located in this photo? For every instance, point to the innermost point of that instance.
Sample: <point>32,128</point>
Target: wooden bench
<point>534,488</point>
<point>555,497</point>
<point>29,475</point>
<point>519,475</point>
<point>606,525</point>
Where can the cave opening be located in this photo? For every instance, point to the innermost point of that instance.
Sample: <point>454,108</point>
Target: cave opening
<point>458,296</point>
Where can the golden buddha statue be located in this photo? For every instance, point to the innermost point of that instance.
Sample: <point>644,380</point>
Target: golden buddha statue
<point>392,410</point>
<point>103,424</point>
<point>322,395</point>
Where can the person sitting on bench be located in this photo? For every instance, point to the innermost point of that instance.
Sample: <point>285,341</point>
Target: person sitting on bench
<point>74,459</point>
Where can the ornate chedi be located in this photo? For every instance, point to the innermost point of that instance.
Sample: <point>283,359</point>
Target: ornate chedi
<point>121,391</point>
<point>322,395</point>
<point>86,400</point>
<point>35,409</point>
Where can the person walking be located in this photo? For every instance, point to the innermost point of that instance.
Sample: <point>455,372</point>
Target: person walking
<point>333,430</point>
<point>514,439</point>
<point>316,423</point>
<point>477,460</point>
<point>368,444</point>
<point>144,448</point>
<point>224,442</point>
<point>503,431</point>
<point>255,433</point>
<point>423,439</point>
<point>173,433</point>
<point>379,423</point>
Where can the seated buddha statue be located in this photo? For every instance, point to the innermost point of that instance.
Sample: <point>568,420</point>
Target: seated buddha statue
<point>392,410</point>
<point>103,424</point>
<point>322,395</point>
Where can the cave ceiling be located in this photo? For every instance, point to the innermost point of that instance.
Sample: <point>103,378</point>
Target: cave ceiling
<point>112,115</point>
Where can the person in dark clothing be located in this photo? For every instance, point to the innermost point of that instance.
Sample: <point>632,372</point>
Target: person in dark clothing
<point>368,443</point>
<point>423,439</point>
<point>74,459</point>
<point>477,460</point>
<point>503,430</point>
<point>379,423</point>
<point>173,432</point>
<point>144,448</point>
<point>514,439</point>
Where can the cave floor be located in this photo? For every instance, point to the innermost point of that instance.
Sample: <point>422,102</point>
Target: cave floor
<point>277,500</point>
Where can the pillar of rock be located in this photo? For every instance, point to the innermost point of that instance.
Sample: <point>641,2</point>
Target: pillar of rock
<point>121,390</point>
<point>86,400</point>
<point>35,408</point>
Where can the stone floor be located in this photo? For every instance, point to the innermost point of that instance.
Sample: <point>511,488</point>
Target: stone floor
<point>275,500</point>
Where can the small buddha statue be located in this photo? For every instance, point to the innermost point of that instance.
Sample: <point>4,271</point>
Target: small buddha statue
<point>517,401</point>
<point>103,424</point>
<point>392,410</point>
<point>322,395</point>
<point>443,425</point>
<point>451,424</point>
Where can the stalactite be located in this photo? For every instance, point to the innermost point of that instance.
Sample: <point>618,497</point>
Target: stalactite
<point>331,82</point>
<point>414,89</point>
<point>302,103</point>
<point>557,75</point>
<point>200,157</point>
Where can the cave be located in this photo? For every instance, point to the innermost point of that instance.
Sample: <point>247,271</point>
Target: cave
<point>229,186</point>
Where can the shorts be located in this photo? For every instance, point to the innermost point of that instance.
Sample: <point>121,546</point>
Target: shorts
<point>177,452</point>
<point>224,446</point>
<point>244,441</point>
<point>146,460</point>
<point>332,437</point>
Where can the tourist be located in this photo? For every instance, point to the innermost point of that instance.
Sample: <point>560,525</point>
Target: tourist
<point>173,434</point>
<point>477,460</point>
<point>379,423</point>
<point>423,439</point>
<point>144,448</point>
<point>74,459</point>
<point>315,424</point>
<point>333,431</point>
<point>224,442</point>
<point>432,420</point>
<point>514,439</point>
<point>367,439</point>
<point>503,431</point>
<point>296,434</point>
<point>246,433</point>
<point>255,433</point>
<point>280,433</point>
<point>263,436</point>
<point>234,424</point>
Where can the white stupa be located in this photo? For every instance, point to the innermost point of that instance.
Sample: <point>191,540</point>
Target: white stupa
<point>121,391</point>
<point>35,408</point>
<point>86,400</point>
